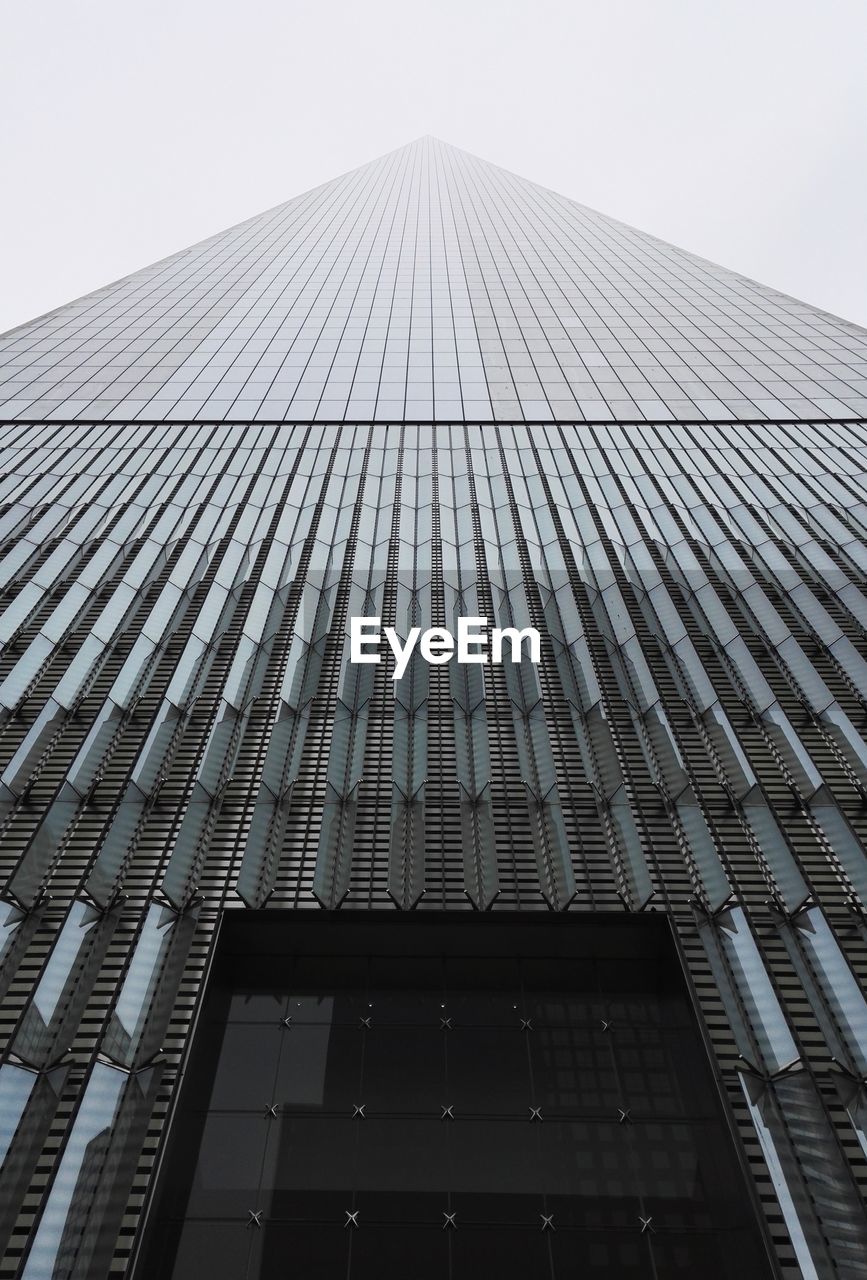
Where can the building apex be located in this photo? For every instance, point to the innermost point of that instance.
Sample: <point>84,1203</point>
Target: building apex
<point>431,284</point>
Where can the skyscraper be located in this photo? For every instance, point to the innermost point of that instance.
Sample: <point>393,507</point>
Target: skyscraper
<point>526,968</point>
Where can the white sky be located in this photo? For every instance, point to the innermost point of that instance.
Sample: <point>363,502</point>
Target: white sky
<point>737,130</point>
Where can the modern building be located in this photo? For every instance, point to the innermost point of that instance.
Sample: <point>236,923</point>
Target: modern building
<point>524,969</point>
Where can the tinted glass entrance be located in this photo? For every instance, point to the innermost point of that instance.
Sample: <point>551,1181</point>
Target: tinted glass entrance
<point>375,1096</point>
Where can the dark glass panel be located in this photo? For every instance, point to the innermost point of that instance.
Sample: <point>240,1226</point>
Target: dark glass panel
<point>218,1250</point>
<point>558,991</point>
<point>688,1175</point>
<point>320,1067</point>
<point>479,1208</point>
<point>489,1070</point>
<point>668,1158</point>
<point>257,1006</point>
<point>662,1074</point>
<point>329,989</point>
<point>404,1069</point>
<point>229,1167</point>
<point>395,1250</point>
<point>581,1254</point>
<point>511,1253</point>
<point>733,1255</point>
<point>310,1251</point>
<point>483,991</point>
<point>409,993</point>
<point>312,1167</point>
<point>246,1070</point>
<point>573,1071</point>
<point>400,1155</point>
<point>494,1157</point>
<point>587,1161</point>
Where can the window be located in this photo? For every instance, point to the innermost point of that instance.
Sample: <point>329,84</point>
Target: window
<point>448,1097</point>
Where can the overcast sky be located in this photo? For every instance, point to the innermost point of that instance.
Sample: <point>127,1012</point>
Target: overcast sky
<point>733,129</point>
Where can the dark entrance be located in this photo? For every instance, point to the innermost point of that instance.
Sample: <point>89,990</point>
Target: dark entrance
<point>449,1097</point>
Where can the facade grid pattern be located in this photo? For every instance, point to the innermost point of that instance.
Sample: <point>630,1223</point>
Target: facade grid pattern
<point>425,390</point>
<point>183,732</point>
<point>430,285</point>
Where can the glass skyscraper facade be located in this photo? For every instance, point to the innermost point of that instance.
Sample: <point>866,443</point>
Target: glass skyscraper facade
<point>539,970</point>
